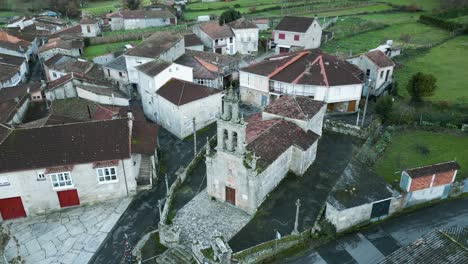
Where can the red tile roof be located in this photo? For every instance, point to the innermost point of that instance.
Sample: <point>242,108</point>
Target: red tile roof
<point>379,58</point>
<point>433,169</point>
<point>181,92</point>
<point>302,108</point>
<point>215,31</point>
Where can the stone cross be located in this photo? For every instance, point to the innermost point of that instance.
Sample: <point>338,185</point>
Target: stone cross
<point>296,223</point>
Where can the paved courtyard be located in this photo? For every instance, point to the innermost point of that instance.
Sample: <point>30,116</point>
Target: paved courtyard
<point>69,236</point>
<point>197,222</point>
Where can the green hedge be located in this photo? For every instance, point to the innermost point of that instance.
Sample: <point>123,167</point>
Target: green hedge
<point>441,23</point>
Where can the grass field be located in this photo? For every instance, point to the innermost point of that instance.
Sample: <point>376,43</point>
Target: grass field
<point>419,148</point>
<point>349,26</point>
<point>97,50</point>
<point>101,7</point>
<point>427,5</point>
<point>9,13</point>
<point>448,63</point>
<point>462,19</point>
<point>420,35</point>
<point>392,18</point>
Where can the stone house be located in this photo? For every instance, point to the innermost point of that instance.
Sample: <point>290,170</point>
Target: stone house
<point>309,73</point>
<point>377,68</point>
<point>14,46</point>
<point>50,24</point>
<point>218,39</point>
<point>294,33</point>
<point>161,45</point>
<point>60,65</point>
<point>90,27</point>
<point>360,196</point>
<point>246,35</point>
<point>178,103</point>
<point>73,47</point>
<point>69,165</point>
<point>423,184</point>
<point>210,69</point>
<point>192,42</point>
<point>20,22</point>
<point>75,85</point>
<point>116,72</point>
<point>262,24</point>
<point>14,102</point>
<point>133,19</point>
<point>253,156</point>
<point>13,70</point>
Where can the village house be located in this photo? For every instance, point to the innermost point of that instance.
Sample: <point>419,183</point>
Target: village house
<point>192,42</point>
<point>262,24</point>
<point>20,22</point>
<point>253,156</point>
<point>76,85</point>
<point>246,35</point>
<point>50,24</point>
<point>182,106</point>
<point>309,73</point>
<point>358,197</point>
<point>161,45</point>
<point>14,102</point>
<point>13,70</point>
<point>294,33</point>
<point>52,167</point>
<point>218,39</point>
<point>14,46</point>
<point>90,27</point>
<point>68,33</point>
<point>389,49</point>
<point>116,72</point>
<point>72,47</point>
<point>210,69</point>
<point>133,19</point>
<point>60,65</point>
<point>427,183</point>
<point>378,70</point>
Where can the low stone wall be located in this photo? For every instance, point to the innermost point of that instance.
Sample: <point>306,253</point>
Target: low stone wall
<point>346,129</point>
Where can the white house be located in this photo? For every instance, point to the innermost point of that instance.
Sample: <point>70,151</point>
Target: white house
<point>246,34</point>
<point>90,27</point>
<point>427,183</point>
<point>13,70</point>
<point>178,104</point>
<point>14,102</point>
<point>14,46</point>
<point>218,39</point>
<point>133,19</point>
<point>377,67</point>
<point>161,45</point>
<point>60,65</point>
<point>192,42</point>
<point>253,156</point>
<point>116,72</point>
<point>52,167</point>
<point>20,22</point>
<point>297,33</point>
<point>262,24</point>
<point>309,73</point>
<point>76,85</point>
<point>70,47</point>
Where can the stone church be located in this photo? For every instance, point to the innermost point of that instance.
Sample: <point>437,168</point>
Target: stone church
<point>254,155</point>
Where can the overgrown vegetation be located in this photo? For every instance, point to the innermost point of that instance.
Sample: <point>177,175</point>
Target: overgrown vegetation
<point>421,85</point>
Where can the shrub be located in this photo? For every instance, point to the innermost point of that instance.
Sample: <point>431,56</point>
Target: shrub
<point>252,9</point>
<point>421,85</point>
<point>87,42</point>
<point>383,107</point>
<point>237,6</point>
<point>438,22</point>
<point>229,16</point>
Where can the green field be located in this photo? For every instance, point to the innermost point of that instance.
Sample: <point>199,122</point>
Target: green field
<point>461,20</point>
<point>97,50</point>
<point>349,26</point>
<point>9,13</point>
<point>352,11</point>
<point>448,63</point>
<point>427,5</point>
<point>420,35</point>
<point>419,148</point>
<point>101,7</point>
<point>150,29</point>
<point>392,18</point>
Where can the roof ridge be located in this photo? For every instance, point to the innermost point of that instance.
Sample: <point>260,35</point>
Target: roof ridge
<point>430,165</point>
<point>322,69</point>
<point>300,108</point>
<point>181,93</point>
<point>291,61</point>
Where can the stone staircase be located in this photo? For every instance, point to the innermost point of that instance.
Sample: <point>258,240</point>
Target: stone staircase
<point>176,255</point>
<point>144,175</point>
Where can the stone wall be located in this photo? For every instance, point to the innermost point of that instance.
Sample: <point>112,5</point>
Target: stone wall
<point>346,129</point>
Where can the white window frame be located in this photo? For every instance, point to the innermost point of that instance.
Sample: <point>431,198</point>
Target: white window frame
<point>103,176</point>
<point>66,186</point>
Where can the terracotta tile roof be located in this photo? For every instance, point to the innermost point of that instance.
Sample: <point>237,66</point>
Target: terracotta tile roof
<point>302,108</point>
<point>11,60</point>
<point>295,24</point>
<point>379,58</point>
<point>50,120</point>
<point>21,46</point>
<point>144,137</point>
<point>215,31</point>
<point>433,169</point>
<point>64,79</point>
<point>199,72</point>
<point>324,69</point>
<point>275,138</point>
<point>57,58</point>
<point>181,92</point>
<point>8,71</point>
<point>192,40</point>
<point>153,68</point>
<point>74,30</point>
<point>133,14</point>
<point>11,98</point>
<point>61,145</point>
<point>242,23</point>
<point>8,93</point>
<point>155,45</point>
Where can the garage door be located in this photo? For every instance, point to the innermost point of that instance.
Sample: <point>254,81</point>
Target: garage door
<point>68,198</point>
<point>11,208</point>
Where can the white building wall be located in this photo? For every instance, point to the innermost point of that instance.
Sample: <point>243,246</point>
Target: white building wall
<point>311,39</point>
<point>117,23</point>
<point>349,217</point>
<point>133,62</point>
<point>94,30</point>
<point>198,47</point>
<point>246,40</point>
<point>63,92</point>
<point>38,196</point>
<point>20,113</point>
<point>101,99</point>
<point>425,195</point>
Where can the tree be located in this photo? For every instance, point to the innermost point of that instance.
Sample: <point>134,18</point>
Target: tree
<point>229,16</point>
<point>132,4</point>
<point>383,107</point>
<point>421,85</point>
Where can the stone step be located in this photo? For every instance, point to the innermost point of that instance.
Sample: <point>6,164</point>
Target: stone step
<point>176,255</point>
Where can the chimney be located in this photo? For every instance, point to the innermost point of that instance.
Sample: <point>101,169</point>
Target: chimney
<point>307,67</point>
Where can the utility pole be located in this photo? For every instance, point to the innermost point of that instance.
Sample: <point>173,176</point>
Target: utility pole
<point>367,100</point>
<point>296,223</point>
<point>194,138</point>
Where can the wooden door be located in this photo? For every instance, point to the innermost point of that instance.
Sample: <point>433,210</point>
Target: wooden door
<point>11,208</point>
<point>351,106</point>
<point>230,195</point>
<point>68,198</point>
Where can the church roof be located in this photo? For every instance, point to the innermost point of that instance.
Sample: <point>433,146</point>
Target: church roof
<point>302,108</point>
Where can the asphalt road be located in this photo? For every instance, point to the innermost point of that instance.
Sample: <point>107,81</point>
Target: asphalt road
<point>371,245</point>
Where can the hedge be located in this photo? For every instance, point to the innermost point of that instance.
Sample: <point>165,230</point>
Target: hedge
<point>441,23</point>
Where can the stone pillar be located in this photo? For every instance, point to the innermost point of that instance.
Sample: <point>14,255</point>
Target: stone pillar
<point>296,223</point>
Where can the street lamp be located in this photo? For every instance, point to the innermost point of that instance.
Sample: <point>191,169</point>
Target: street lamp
<point>367,84</point>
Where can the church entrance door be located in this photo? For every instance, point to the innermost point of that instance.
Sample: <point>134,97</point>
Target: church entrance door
<point>231,195</point>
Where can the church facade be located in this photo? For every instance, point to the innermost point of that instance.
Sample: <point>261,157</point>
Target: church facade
<point>254,155</point>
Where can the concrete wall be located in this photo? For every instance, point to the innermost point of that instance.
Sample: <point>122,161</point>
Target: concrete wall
<point>65,91</point>
<point>54,74</point>
<point>246,40</point>
<point>20,113</point>
<point>117,77</point>
<point>50,53</point>
<point>38,196</point>
<point>198,47</point>
<point>102,99</point>
<point>311,39</point>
